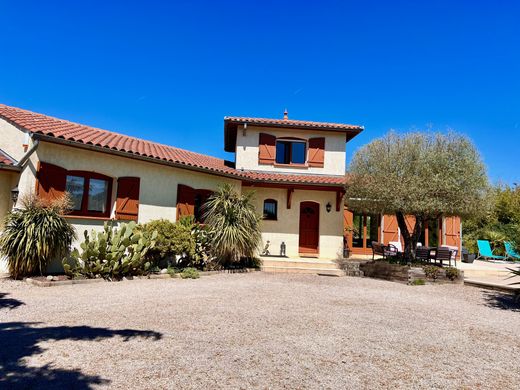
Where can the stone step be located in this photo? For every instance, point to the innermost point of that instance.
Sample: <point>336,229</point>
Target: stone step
<point>491,273</point>
<point>303,270</point>
<point>300,263</point>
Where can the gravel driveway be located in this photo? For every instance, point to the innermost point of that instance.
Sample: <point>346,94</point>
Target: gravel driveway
<point>257,331</point>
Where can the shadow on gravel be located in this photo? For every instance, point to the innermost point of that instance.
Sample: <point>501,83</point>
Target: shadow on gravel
<point>19,340</point>
<point>503,301</point>
<point>9,303</point>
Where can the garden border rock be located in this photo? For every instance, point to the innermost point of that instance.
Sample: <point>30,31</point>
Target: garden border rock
<point>380,269</point>
<point>70,282</point>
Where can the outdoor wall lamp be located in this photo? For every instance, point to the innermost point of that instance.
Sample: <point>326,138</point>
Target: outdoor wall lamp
<point>328,207</point>
<point>14,194</point>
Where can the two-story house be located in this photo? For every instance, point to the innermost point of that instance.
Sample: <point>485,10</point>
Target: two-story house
<point>296,168</point>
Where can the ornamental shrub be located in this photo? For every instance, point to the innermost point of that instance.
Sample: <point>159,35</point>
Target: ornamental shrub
<point>35,234</point>
<point>234,225</point>
<point>172,240</point>
<point>452,273</point>
<point>432,272</point>
<point>190,273</point>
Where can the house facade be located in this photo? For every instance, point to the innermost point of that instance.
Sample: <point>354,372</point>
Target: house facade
<point>296,169</point>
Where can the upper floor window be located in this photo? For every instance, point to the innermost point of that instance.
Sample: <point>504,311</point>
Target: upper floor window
<point>90,193</point>
<point>270,209</point>
<point>290,152</point>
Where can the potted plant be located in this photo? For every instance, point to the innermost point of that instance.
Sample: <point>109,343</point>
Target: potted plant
<point>468,257</point>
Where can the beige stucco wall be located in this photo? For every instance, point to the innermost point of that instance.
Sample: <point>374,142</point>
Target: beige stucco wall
<point>158,185</point>
<point>286,227</point>
<point>12,140</point>
<point>8,180</point>
<point>247,150</point>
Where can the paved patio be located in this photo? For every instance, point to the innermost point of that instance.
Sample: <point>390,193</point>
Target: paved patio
<point>487,273</point>
<point>258,330</point>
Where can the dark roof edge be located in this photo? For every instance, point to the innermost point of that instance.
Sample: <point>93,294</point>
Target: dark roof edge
<point>101,149</point>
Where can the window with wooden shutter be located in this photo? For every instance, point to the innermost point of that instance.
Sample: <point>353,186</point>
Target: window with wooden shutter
<point>127,203</point>
<point>317,152</point>
<point>266,148</point>
<point>185,201</point>
<point>201,197</point>
<point>51,181</point>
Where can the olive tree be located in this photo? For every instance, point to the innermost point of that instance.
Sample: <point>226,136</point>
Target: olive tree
<point>425,175</point>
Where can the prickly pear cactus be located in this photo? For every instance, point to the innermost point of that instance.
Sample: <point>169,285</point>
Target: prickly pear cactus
<point>113,253</point>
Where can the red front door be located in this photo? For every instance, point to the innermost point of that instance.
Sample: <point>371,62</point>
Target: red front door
<point>309,227</point>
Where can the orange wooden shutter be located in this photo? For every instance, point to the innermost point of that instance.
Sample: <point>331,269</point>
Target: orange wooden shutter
<point>52,181</point>
<point>266,148</point>
<point>453,232</point>
<point>348,224</point>
<point>127,203</point>
<point>390,229</point>
<point>185,201</point>
<point>317,152</point>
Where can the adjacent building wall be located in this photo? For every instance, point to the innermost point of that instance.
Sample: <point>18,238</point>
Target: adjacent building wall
<point>8,180</point>
<point>247,150</point>
<point>286,227</point>
<point>12,139</point>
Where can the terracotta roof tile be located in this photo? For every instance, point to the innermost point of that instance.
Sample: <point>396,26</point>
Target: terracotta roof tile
<point>5,159</point>
<point>103,139</point>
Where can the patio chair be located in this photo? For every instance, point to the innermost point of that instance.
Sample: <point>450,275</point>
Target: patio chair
<point>511,253</point>
<point>397,244</point>
<point>454,252</point>
<point>386,251</point>
<point>442,254</point>
<point>485,252</point>
<point>422,253</point>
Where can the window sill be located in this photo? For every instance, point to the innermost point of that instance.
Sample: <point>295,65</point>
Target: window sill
<point>300,166</point>
<point>71,216</point>
<point>270,219</point>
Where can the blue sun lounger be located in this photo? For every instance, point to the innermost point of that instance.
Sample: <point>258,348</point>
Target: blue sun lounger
<point>510,251</point>
<point>485,252</point>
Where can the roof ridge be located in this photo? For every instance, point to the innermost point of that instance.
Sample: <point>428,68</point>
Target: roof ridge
<point>289,121</point>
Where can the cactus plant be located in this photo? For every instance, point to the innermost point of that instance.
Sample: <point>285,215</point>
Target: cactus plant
<point>113,253</point>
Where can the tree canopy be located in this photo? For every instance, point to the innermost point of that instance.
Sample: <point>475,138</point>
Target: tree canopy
<point>422,174</point>
<point>500,223</point>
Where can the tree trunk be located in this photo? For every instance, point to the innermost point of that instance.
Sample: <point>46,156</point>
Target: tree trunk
<point>410,240</point>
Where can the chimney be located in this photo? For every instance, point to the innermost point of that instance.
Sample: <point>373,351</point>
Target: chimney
<point>285,114</point>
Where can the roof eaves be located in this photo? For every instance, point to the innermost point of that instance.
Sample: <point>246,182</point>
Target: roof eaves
<point>102,149</point>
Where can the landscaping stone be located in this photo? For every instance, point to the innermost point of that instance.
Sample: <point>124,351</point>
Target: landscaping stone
<point>379,269</point>
<point>49,278</point>
<point>164,271</point>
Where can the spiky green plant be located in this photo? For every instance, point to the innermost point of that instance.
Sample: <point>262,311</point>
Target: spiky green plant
<point>35,234</point>
<point>515,272</point>
<point>112,253</point>
<point>234,223</point>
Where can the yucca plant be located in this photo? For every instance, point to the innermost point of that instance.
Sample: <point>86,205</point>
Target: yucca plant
<point>234,223</point>
<point>35,234</point>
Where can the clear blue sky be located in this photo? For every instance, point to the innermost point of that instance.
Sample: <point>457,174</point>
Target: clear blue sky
<point>170,71</point>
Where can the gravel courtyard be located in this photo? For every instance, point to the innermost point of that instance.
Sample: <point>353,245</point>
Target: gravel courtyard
<point>257,330</point>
